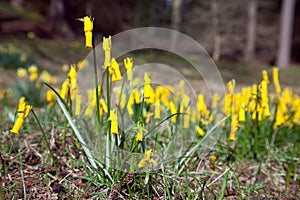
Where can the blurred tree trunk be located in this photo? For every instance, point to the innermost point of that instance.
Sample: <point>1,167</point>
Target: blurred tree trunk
<point>215,30</point>
<point>17,3</point>
<point>285,37</point>
<point>57,17</point>
<point>251,31</point>
<point>176,18</point>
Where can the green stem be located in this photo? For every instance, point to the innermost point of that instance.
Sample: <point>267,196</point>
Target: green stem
<point>108,136</point>
<point>46,141</point>
<point>96,81</point>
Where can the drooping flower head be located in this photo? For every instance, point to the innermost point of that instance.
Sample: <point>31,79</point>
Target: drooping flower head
<point>114,70</point>
<point>146,159</point>
<point>128,65</point>
<point>114,130</point>
<point>106,45</point>
<point>88,31</point>
<point>276,80</point>
<point>23,111</point>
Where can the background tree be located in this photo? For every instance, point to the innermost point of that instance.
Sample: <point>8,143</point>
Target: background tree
<point>215,30</point>
<point>251,31</point>
<point>285,37</point>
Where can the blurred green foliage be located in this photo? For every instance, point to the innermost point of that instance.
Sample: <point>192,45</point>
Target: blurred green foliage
<point>13,58</point>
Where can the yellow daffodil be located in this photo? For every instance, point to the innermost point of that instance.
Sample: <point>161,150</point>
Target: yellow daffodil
<point>242,113</point>
<point>231,86</point>
<point>148,90</point>
<point>23,111</point>
<point>228,104</point>
<point>216,99</point>
<point>64,89</point>
<point>72,76</point>
<point>157,109</point>
<point>233,128</point>
<point>23,57</point>
<point>115,71</point>
<point>33,76</point>
<point>276,80</point>
<point>103,105</point>
<point>173,111</point>
<point>184,103</point>
<point>200,131</point>
<point>114,129</point>
<point>128,65</point>
<point>32,69</point>
<point>78,105</point>
<point>201,107</point>
<point>186,118</point>
<point>106,45</point>
<point>264,93</point>
<point>82,64</point>
<point>140,135</point>
<point>265,76</point>
<point>65,67</point>
<point>50,97</point>
<point>22,72</point>
<point>88,31</point>
<point>146,159</point>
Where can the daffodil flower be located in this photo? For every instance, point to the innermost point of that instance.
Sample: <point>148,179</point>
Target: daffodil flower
<point>173,111</point>
<point>233,128</point>
<point>106,45</point>
<point>114,129</point>
<point>78,104</point>
<point>186,118</point>
<point>51,98</point>
<point>200,131</point>
<point>276,80</point>
<point>115,71</point>
<point>23,111</point>
<point>140,135</point>
<point>146,160</point>
<point>128,65</point>
<point>88,31</point>
<point>242,113</point>
<point>148,90</point>
<point>22,72</point>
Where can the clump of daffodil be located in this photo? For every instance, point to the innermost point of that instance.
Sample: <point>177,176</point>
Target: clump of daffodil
<point>23,111</point>
<point>146,160</point>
